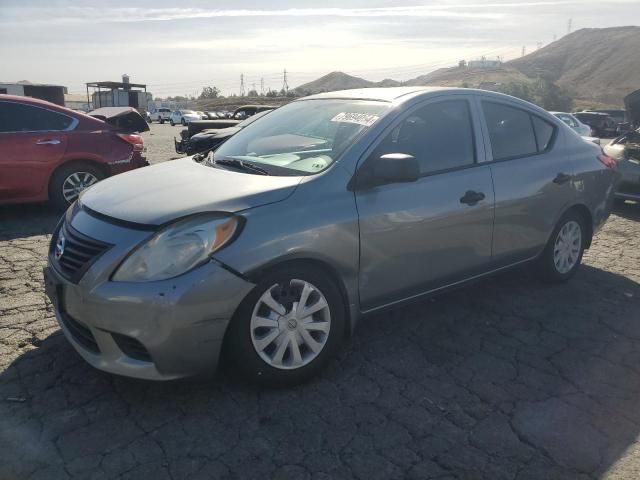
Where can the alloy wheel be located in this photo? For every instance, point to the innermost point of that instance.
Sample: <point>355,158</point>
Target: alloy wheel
<point>566,250</point>
<point>290,324</point>
<point>76,183</point>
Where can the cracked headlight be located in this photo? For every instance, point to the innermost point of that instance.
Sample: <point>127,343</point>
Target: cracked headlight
<point>178,248</point>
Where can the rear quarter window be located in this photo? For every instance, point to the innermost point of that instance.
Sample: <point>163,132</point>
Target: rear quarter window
<point>544,133</point>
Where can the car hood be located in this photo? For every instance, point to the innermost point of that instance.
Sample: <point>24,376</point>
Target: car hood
<point>126,119</point>
<point>161,193</point>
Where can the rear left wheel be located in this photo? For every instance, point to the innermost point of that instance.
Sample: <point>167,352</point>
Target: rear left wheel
<point>288,327</point>
<point>563,254</point>
<point>70,180</point>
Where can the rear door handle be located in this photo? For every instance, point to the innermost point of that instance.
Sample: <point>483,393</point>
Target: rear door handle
<point>48,142</point>
<point>562,178</point>
<point>471,197</point>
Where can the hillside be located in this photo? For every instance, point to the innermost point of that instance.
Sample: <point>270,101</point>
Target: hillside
<point>593,64</point>
<point>597,66</point>
<point>333,81</point>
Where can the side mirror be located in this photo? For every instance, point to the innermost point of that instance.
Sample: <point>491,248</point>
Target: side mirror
<point>395,168</point>
<point>388,168</point>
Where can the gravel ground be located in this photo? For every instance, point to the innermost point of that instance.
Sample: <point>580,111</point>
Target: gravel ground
<point>506,379</point>
<point>159,142</point>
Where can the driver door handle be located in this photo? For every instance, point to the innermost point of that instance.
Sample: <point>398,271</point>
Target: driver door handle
<point>472,197</point>
<point>48,142</point>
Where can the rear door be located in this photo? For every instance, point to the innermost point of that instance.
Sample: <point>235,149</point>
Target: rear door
<point>532,175</point>
<point>33,141</point>
<point>419,236</point>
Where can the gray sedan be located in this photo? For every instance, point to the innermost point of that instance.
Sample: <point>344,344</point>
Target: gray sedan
<point>336,205</point>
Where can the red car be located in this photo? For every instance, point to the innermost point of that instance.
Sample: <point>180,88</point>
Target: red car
<point>48,152</point>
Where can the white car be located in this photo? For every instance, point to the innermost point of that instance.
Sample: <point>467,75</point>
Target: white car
<point>203,116</point>
<point>574,123</point>
<point>183,117</point>
<point>160,115</point>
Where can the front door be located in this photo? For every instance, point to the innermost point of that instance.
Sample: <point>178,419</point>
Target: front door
<point>416,237</point>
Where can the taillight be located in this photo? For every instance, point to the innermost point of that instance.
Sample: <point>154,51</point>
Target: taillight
<point>607,161</point>
<point>134,140</point>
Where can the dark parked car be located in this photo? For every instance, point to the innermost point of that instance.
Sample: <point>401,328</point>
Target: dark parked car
<point>625,150</point>
<point>49,152</point>
<point>224,121</point>
<point>620,118</point>
<point>212,138</point>
<point>603,125</point>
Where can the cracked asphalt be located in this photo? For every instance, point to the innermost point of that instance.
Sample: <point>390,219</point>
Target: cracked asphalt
<point>505,379</point>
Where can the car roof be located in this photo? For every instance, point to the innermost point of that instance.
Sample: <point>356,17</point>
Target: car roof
<point>385,94</point>
<point>31,100</point>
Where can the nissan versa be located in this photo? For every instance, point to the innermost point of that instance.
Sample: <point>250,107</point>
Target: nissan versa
<point>335,205</point>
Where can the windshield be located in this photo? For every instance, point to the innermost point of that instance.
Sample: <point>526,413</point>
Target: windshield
<point>303,137</point>
<point>250,120</point>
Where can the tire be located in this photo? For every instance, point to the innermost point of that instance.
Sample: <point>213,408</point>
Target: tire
<point>182,121</point>
<point>551,267</point>
<point>259,364</point>
<point>161,121</point>
<point>171,122</point>
<point>63,178</point>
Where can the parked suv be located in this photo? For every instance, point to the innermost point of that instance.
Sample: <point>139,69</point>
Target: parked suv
<point>48,152</point>
<point>327,208</point>
<point>601,124</point>
<point>161,115</point>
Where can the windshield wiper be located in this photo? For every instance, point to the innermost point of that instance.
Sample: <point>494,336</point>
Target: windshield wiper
<point>239,164</point>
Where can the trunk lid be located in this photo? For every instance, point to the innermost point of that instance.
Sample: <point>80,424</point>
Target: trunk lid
<point>125,119</point>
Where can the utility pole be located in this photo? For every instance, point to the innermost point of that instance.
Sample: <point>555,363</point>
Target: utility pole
<point>524,50</point>
<point>242,84</point>
<point>262,86</point>
<point>285,84</point>
<point>569,25</point>
<point>253,87</point>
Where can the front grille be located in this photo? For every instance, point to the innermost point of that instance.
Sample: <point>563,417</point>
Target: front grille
<point>74,252</point>
<point>131,347</point>
<point>80,333</point>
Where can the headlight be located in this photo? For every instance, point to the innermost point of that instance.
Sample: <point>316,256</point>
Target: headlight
<point>177,249</point>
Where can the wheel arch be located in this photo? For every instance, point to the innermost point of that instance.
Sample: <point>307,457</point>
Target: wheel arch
<point>585,213</point>
<point>330,270</point>
<point>79,161</point>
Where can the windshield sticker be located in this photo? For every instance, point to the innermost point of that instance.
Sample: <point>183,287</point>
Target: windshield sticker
<point>365,119</point>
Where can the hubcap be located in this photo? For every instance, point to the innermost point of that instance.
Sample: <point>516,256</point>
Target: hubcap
<point>76,183</point>
<point>290,324</point>
<point>566,250</point>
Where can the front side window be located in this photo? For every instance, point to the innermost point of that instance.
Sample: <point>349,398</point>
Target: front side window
<point>439,136</point>
<point>18,117</point>
<point>510,131</point>
<point>303,137</point>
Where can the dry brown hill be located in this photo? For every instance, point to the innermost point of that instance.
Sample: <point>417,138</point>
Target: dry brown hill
<point>593,64</point>
<point>597,66</point>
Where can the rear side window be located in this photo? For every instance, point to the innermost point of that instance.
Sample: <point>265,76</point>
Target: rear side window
<point>510,131</point>
<point>439,136</point>
<point>544,132</point>
<point>17,117</point>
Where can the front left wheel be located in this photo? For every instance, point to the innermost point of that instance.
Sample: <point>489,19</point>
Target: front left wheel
<point>288,327</point>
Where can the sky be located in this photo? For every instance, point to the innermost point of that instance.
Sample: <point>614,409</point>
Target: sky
<point>176,48</point>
